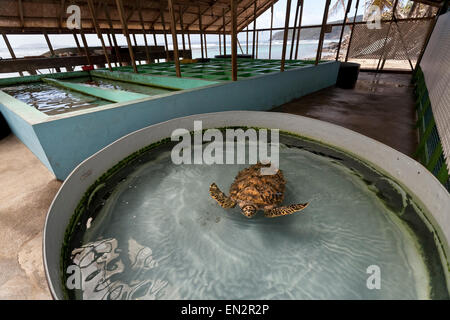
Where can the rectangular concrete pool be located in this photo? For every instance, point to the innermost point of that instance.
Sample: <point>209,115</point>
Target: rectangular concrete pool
<point>102,106</point>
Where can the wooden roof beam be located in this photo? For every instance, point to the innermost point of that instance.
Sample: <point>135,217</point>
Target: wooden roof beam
<point>197,19</point>
<point>244,8</point>
<point>99,33</point>
<point>22,21</point>
<point>125,31</point>
<point>259,12</point>
<point>62,12</point>
<point>227,10</point>
<point>174,39</point>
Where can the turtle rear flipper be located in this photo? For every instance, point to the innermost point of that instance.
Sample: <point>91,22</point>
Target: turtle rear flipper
<point>220,197</point>
<point>286,210</point>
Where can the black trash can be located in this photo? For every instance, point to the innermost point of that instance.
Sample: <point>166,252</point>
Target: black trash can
<point>4,128</point>
<point>348,75</point>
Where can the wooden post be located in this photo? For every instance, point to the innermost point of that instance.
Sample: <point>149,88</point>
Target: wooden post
<point>154,41</point>
<point>246,45</point>
<point>109,39</point>
<point>343,27</point>
<point>10,49</point>
<point>48,44</point>
<point>110,44</point>
<point>144,34</point>
<point>254,28</point>
<point>189,41</point>
<point>270,37</point>
<point>174,39</point>
<point>77,43</point>
<point>322,32</point>
<point>293,31</point>
<point>135,44</point>
<point>154,38</point>
<point>86,48</point>
<point>108,35</point>
<point>182,30</point>
<point>206,46</point>
<point>285,36</point>
<point>402,41</point>
<point>220,44</point>
<point>22,21</point>
<point>234,40</point>
<point>200,29</point>
<point>240,47</point>
<point>385,40</point>
<point>97,30</point>
<point>353,29</point>
<point>119,5</point>
<point>50,48</point>
<point>257,41</point>
<point>299,30</point>
<point>165,34</point>
<point>116,47</point>
<point>224,33</point>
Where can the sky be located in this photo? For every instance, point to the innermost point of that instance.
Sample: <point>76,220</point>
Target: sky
<point>312,14</point>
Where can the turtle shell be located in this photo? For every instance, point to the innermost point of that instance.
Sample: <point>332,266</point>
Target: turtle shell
<point>251,187</point>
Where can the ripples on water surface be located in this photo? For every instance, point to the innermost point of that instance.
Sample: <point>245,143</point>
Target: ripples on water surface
<point>52,100</point>
<point>155,233</point>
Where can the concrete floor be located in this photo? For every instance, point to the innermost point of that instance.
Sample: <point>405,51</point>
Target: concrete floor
<point>25,196</point>
<point>381,107</point>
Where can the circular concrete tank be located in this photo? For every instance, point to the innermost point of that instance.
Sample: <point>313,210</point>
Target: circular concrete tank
<point>431,196</point>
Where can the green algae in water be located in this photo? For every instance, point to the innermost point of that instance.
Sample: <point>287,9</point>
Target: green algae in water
<point>151,231</point>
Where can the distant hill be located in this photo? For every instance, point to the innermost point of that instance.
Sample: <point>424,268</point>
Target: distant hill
<point>314,33</point>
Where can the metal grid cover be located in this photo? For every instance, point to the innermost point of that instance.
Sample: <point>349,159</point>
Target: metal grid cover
<point>396,41</point>
<point>435,65</point>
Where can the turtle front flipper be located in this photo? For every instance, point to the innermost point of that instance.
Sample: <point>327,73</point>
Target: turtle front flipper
<point>283,211</point>
<point>220,197</point>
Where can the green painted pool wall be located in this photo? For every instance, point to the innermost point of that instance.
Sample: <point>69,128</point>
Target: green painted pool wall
<point>67,140</point>
<point>23,129</point>
<point>111,95</point>
<point>37,78</point>
<point>172,83</point>
<point>429,151</point>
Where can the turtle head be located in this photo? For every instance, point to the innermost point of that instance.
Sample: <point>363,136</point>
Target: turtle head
<point>248,210</point>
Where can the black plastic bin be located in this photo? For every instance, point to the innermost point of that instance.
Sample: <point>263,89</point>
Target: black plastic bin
<point>348,75</point>
<point>4,128</point>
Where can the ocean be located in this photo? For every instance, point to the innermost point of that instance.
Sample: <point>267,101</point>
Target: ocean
<point>307,49</point>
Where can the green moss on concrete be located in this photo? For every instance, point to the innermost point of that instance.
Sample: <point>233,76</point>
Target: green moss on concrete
<point>105,94</point>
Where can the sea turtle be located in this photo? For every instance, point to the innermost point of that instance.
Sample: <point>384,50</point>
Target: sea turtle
<point>253,191</point>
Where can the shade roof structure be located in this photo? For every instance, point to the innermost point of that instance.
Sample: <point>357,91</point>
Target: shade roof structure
<point>33,16</point>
